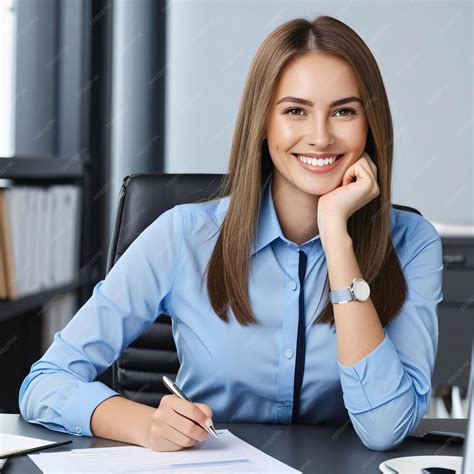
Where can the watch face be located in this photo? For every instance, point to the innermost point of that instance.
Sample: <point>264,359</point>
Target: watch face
<point>361,290</point>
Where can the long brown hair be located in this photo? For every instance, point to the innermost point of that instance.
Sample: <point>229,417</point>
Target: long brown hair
<point>250,164</point>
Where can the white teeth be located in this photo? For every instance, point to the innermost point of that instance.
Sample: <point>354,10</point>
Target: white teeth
<point>317,161</point>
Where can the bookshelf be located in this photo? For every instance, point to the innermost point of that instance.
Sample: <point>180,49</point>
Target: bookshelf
<point>79,154</point>
<point>12,308</point>
<point>47,171</point>
<point>21,318</point>
<point>50,169</point>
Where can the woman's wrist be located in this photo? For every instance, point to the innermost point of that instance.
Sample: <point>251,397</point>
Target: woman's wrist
<point>142,427</point>
<point>123,420</point>
<point>334,233</point>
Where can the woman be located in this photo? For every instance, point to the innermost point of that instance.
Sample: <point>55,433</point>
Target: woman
<point>269,339</point>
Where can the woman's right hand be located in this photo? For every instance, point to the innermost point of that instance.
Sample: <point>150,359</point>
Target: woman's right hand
<point>178,424</point>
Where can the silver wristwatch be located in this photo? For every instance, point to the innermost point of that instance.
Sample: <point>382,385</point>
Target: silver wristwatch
<point>358,291</point>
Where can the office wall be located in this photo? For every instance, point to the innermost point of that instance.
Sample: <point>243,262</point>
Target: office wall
<point>49,87</point>
<point>424,51</point>
<point>137,92</point>
<point>36,101</point>
<point>8,33</point>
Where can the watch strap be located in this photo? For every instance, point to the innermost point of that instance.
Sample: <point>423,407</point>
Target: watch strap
<point>341,295</point>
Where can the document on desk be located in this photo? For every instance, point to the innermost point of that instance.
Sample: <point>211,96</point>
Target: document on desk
<point>228,453</point>
<point>10,444</point>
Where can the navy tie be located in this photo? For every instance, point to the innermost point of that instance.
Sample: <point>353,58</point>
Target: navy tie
<point>301,340</point>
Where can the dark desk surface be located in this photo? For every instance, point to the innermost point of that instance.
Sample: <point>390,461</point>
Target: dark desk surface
<point>328,449</point>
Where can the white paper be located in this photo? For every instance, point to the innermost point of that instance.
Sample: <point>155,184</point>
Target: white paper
<point>228,453</point>
<point>10,443</point>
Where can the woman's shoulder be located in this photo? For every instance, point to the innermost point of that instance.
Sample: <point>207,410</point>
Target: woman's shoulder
<point>186,219</point>
<point>194,218</point>
<point>411,222</point>
<point>411,233</point>
<point>205,212</point>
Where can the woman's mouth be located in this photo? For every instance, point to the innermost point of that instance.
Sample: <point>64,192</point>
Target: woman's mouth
<point>324,165</point>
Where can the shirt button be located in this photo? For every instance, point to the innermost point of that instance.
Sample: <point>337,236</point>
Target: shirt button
<point>289,353</point>
<point>292,285</point>
<point>78,430</point>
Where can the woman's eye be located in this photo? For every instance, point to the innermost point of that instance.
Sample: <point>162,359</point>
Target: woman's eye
<point>348,112</point>
<point>295,108</point>
<point>352,112</point>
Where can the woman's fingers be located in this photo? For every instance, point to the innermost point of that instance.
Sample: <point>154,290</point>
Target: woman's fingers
<point>190,410</point>
<point>177,437</point>
<point>205,408</point>
<point>371,163</point>
<point>187,427</point>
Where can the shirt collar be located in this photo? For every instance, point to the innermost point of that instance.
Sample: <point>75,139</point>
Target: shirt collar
<point>268,227</point>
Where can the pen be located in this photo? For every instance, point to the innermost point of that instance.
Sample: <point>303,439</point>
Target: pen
<point>173,388</point>
<point>390,469</point>
<point>19,452</point>
<point>3,463</point>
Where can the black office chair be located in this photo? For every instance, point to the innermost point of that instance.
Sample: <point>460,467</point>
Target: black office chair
<point>143,197</point>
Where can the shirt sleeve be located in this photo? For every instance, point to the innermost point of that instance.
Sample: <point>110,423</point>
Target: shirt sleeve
<point>387,392</point>
<point>60,392</point>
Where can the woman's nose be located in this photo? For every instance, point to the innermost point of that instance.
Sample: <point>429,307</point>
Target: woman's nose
<point>320,134</point>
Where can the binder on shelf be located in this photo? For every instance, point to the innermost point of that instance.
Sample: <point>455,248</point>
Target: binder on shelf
<point>3,288</point>
<point>39,242</point>
<point>47,253</point>
<point>72,200</point>
<point>7,256</point>
<point>32,239</point>
<point>18,214</point>
<point>12,203</point>
<point>66,233</point>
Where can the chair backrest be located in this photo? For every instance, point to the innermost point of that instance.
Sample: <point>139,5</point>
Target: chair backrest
<point>143,197</point>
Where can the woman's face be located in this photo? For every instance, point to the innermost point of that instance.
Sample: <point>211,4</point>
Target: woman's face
<point>319,126</point>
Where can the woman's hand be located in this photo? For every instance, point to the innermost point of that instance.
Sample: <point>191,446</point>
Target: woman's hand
<point>177,424</point>
<point>338,205</point>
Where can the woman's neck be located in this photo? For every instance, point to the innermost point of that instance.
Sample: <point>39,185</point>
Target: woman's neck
<point>297,211</point>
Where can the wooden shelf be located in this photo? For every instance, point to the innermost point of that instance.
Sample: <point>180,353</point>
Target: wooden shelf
<point>47,168</point>
<point>11,308</point>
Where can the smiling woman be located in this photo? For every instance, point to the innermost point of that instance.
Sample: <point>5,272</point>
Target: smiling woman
<point>314,135</point>
<point>309,96</point>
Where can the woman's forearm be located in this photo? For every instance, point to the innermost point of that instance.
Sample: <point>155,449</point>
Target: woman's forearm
<point>358,327</point>
<point>123,420</point>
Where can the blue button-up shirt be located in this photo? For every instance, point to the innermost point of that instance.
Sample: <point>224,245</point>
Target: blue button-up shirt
<point>246,373</point>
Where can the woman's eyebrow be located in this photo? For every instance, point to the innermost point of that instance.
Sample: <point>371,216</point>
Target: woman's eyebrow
<point>311,104</point>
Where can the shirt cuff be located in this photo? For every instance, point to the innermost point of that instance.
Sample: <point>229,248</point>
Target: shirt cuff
<point>81,403</point>
<point>374,380</point>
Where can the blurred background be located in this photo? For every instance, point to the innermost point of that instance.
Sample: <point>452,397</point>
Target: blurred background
<point>91,91</point>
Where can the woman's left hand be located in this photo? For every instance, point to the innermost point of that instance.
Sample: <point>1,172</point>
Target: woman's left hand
<point>339,204</point>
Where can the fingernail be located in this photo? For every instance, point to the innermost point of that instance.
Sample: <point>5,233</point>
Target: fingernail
<point>208,423</point>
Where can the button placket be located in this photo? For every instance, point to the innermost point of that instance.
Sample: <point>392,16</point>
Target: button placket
<point>289,335</point>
